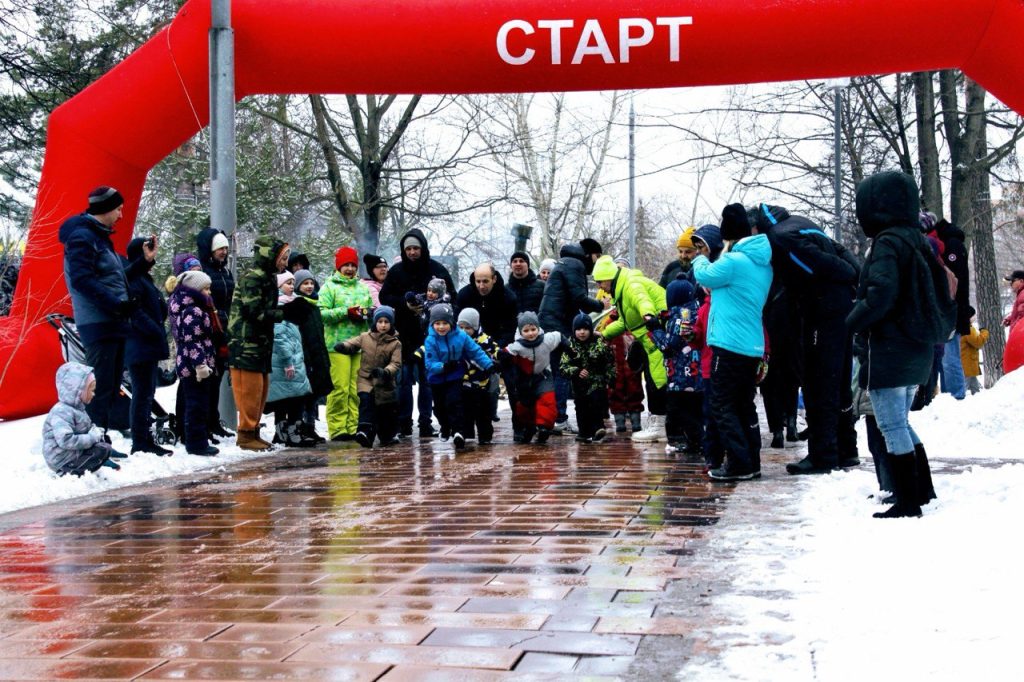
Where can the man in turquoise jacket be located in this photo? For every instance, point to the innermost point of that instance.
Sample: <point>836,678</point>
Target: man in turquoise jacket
<point>739,281</point>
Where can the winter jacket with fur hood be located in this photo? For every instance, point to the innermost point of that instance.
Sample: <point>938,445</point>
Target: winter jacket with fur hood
<point>67,430</point>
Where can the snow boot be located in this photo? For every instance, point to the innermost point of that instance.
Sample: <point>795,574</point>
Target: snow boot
<point>247,440</point>
<point>654,432</point>
<point>458,440</point>
<point>777,440</point>
<point>807,466</point>
<point>904,480</point>
<point>925,489</point>
<point>620,422</point>
<point>543,435</point>
<point>634,422</point>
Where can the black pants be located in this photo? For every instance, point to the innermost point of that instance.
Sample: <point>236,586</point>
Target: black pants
<point>448,406</point>
<point>88,460</point>
<point>828,394</point>
<point>684,421</point>
<point>732,403</point>
<point>657,398</point>
<point>213,412</point>
<point>477,418</point>
<point>714,455</point>
<point>780,391</point>
<point>143,376</point>
<point>197,402</point>
<point>286,410</point>
<point>590,408</point>
<point>106,357</point>
<point>375,420</point>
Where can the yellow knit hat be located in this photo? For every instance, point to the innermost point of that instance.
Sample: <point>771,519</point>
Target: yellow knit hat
<point>685,240</point>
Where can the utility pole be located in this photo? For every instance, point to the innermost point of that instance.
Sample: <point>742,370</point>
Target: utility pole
<point>632,184</point>
<point>837,87</point>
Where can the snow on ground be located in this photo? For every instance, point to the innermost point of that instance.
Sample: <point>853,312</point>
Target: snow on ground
<point>822,591</point>
<point>28,482</point>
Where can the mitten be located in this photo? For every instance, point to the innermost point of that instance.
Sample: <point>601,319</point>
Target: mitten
<point>378,373</point>
<point>204,372</point>
<point>355,313</point>
<point>343,349</point>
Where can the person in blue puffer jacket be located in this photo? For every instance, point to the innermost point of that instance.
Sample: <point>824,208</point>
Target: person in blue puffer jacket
<point>739,280</point>
<point>289,381</point>
<point>447,352</point>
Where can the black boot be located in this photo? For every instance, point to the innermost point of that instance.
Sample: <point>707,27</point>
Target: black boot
<point>791,436</point>
<point>777,441</point>
<point>904,480</point>
<point>925,489</point>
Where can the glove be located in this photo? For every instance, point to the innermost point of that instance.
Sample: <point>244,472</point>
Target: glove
<point>410,298</point>
<point>289,372</point>
<point>613,315</point>
<point>652,322</point>
<point>687,332</point>
<point>762,369</point>
<point>355,313</point>
<point>343,349</point>
<point>451,366</point>
<point>126,308</point>
<point>378,373</point>
<point>204,372</point>
<point>636,357</point>
<point>495,368</point>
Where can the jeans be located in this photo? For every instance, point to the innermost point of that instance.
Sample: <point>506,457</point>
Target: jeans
<point>892,412</point>
<point>106,357</point>
<point>412,373</point>
<point>143,377</point>
<point>952,371</point>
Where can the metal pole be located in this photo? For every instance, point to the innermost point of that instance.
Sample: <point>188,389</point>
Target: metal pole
<point>223,215</point>
<point>632,184</point>
<point>838,161</point>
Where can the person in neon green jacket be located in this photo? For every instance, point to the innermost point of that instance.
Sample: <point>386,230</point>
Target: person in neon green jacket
<point>639,302</point>
<point>344,303</point>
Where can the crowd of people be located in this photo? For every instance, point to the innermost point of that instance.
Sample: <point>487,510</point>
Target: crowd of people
<point>764,299</point>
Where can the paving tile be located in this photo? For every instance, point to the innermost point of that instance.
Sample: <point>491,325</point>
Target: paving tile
<point>535,662</point>
<point>436,619</point>
<point>662,625</point>
<point>223,670</point>
<point>261,633</point>
<point>544,641</point>
<point>154,650</point>
<point>382,635</point>
<point>40,669</point>
<point>403,673</point>
<point>455,657</point>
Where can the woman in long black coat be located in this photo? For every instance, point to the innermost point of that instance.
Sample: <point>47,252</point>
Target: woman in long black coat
<point>894,360</point>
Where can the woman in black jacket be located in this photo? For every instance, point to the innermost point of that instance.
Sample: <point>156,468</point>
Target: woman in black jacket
<point>893,360</point>
<point>212,249</point>
<point>146,346</point>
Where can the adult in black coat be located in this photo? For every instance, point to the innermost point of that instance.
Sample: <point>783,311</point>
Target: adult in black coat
<point>821,275</point>
<point>413,275</point>
<point>524,283</point>
<point>893,362</point>
<point>146,346</point>
<point>954,257</point>
<point>565,297</point>
<point>212,247</point>
<point>498,308</point>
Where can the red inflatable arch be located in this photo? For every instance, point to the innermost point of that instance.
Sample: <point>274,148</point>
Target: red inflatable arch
<point>119,127</point>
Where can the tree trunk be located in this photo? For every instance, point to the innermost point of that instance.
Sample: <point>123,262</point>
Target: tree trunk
<point>927,149</point>
<point>338,192</point>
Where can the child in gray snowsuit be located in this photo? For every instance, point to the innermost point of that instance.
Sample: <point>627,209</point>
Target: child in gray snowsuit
<point>71,444</point>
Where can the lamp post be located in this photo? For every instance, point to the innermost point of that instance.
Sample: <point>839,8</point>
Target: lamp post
<point>836,86</point>
<point>521,233</point>
<point>632,183</point>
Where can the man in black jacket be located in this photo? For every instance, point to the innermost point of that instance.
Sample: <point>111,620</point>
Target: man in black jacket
<point>524,284</point>
<point>212,247</point>
<point>821,275</point>
<point>413,275</point>
<point>565,296</point>
<point>497,305</point>
<point>954,257</point>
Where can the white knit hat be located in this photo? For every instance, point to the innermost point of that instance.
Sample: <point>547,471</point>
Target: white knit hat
<point>219,242</point>
<point>197,280</point>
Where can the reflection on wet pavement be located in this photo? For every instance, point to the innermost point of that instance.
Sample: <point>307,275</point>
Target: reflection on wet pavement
<point>409,563</point>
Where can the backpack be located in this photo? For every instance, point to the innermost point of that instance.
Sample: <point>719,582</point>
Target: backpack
<point>927,309</point>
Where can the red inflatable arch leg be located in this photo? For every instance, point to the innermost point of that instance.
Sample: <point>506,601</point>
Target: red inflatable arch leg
<point>119,127</point>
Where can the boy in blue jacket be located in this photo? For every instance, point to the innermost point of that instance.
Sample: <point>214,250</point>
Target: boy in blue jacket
<point>448,353</point>
<point>739,281</point>
<point>681,352</point>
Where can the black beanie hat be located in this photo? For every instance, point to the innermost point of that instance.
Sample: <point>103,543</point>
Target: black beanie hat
<point>519,254</point>
<point>591,246</point>
<point>581,321</point>
<point>372,260</point>
<point>104,200</point>
<point>735,224</point>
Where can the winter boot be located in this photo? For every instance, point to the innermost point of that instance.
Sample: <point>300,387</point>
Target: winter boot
<point>153,448</point>
<point>458,440</point>
<point>247,440</point>
<point>309,431</point>
<point>925,489</point>
<point>791,435</point>
<point>543,435</point>
<point>654,432</point>
<point>807,466</point>
<point>904,480</point>
<point>221,431</point>
<point>777,440</point>
<point>599,435</point>
<point>620,422</point>
<point>280,434</point>
<point>634,422</point>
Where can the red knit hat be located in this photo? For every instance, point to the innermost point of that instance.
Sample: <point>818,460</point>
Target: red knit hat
<point>344,255</point>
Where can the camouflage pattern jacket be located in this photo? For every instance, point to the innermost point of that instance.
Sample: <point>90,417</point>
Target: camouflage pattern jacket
<point>254,310</point>
<point>596,357</point>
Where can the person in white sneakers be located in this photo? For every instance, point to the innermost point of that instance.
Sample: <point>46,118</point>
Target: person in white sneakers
<point>639,302</point>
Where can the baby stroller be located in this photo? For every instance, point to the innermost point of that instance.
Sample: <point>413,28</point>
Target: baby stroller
<point>73,351</point>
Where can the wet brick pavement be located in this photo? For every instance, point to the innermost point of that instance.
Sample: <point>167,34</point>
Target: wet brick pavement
<point>411,563</point>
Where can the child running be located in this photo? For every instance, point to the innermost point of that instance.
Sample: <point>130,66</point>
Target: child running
<point>476,382</point>
<point>533,385</point>
<point>590,366</point>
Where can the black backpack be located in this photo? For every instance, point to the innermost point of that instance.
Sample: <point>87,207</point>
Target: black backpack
<point>927,307</point>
